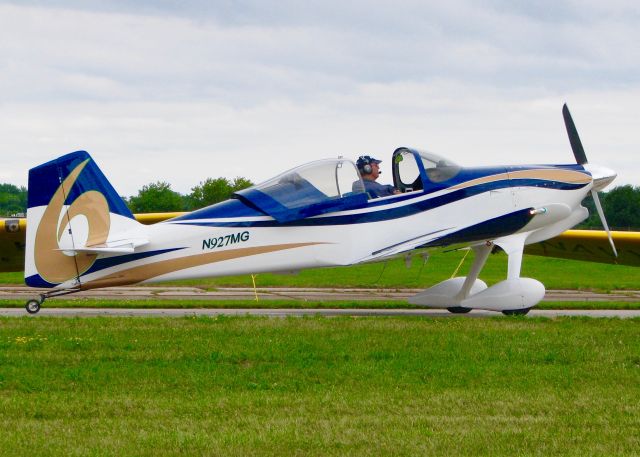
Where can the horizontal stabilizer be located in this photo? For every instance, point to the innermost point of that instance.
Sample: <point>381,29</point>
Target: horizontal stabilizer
<point>114,247</point>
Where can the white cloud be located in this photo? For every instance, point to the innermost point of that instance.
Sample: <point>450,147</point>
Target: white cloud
<point>213,89</point>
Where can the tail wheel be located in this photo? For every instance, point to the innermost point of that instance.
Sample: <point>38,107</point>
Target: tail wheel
<point>33,306</point>
<point>458,310</point>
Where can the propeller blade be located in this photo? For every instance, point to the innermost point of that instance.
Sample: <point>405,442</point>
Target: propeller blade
<point>600,178</point>
<point>596,200</point>
<point>574,138</point>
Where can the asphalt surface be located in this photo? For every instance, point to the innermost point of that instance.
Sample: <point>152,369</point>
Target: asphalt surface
<point>284,312</point>
<point>21,294</point>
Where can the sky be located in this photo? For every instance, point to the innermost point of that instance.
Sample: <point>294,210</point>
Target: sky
<point>180,91</point>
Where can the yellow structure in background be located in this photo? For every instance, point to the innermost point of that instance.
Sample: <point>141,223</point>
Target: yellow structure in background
<point>591,246</point>
<point>586,245</point>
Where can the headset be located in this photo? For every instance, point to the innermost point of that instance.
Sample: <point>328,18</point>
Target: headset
<point>364,164</point>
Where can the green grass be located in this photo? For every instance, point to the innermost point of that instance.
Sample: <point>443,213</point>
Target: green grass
<point>319,386</point>
<point>591,304</point>
<point>275,304</point>
<point>554,273</point>
<point>15,277</point>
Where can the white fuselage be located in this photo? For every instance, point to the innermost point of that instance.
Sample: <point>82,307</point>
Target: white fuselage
<point>236,250</point>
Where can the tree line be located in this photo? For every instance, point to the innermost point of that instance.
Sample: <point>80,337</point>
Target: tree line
<point>621,204</point>
<point>153,197</point>
<point>159,197</point>
<point>621,207</point>
<point>13,200</point>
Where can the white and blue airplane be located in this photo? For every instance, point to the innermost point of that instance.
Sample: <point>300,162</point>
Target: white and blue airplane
<point>81,235</point>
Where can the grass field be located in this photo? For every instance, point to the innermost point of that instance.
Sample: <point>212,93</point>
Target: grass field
<point>319,386</point>
<point>553,273</point>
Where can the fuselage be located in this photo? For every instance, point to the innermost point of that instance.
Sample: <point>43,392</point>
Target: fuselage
<point>315,215</point>
<point>234,237</point>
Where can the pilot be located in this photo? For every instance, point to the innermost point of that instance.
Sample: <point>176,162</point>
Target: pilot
<point>370,170</point>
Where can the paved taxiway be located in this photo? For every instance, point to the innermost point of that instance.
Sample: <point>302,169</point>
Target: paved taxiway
<point>94,312</point>
<point>21,294</point>
<point>283,293</point>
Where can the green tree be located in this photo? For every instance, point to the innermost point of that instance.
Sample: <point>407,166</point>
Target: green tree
<point>593,221</point>
<point>214,190</point>
<point>240,183</point>
<point>209,192</point>
<point>13,199</point>
<point>621,207</point>
<point>156,197</point>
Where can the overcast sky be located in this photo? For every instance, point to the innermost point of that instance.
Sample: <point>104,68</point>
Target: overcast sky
<point>180,91</point>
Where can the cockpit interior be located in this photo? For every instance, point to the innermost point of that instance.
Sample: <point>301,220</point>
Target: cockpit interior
<point>331,185</point>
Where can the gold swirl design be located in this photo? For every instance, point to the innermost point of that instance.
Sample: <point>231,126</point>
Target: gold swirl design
<point>51,263</point>
<point>553,174</point>
<point>141,273</point>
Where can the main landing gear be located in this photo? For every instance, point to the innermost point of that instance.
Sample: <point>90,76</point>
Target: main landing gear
<point>513,296</point>
<point>33,305</point>
<point>506,312</point>
<point>458,309</point>
<point>516,312</point>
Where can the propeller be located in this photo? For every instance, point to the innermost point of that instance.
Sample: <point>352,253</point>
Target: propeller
<point>574,138</point>
<point>601,176</point>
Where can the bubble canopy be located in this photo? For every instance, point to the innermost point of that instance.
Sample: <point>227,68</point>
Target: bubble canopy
<point>309,190</point>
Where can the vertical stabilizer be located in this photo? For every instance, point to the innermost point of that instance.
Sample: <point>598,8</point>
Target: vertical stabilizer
<point>71,206</point>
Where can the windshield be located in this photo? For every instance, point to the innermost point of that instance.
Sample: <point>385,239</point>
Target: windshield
<point>438,168</point>
<point>312,182</point>
<point>310,189</point>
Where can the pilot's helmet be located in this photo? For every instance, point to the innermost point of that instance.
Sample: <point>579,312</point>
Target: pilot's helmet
<point>364,163</point>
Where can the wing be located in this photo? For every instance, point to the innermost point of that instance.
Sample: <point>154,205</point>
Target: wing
<point>13,231</point>
<point>152,218</point>
<point>12,237</point>
<point>591,245</point>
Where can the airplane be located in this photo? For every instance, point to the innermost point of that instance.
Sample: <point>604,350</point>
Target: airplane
<point>80,234</point>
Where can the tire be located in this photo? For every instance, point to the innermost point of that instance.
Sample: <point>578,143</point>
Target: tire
<point>458,310</point>
<point>32,306</point>
<point>516,312</point>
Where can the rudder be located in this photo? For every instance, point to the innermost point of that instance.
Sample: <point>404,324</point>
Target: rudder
<point>71,205</point>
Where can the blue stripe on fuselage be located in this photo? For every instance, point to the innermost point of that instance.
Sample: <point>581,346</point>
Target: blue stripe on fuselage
<point>214,212</point>
<point>100,264</point>
<point>108,262</point>
<point>499,226</point>
<point>545,183</point>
